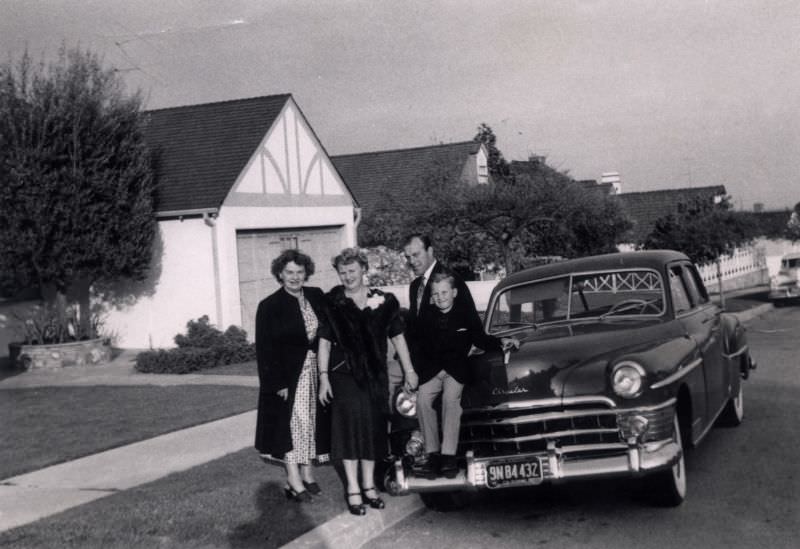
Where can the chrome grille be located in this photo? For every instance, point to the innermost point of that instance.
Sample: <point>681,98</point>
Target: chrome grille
<point>524,431</point>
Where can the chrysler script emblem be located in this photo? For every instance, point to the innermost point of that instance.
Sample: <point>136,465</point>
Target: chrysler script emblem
<point>511,391</point>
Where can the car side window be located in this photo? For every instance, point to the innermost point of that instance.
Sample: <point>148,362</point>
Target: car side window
<point>697,290</point>
<point>680,297</point>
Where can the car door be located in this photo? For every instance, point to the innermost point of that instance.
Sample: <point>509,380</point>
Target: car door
<point>702,321</point>
<point>716,369</point>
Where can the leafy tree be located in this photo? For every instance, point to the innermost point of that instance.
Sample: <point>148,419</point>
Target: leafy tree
<point>703,230</point>
<point>76,180</point>
<point>793,225</point>
<point>507,222</point>
<point>496,163</point>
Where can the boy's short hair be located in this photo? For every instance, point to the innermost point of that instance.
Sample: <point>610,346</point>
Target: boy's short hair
<point>444,276</point>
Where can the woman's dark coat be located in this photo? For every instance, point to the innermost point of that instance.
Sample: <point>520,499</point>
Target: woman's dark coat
<point>281,347</point>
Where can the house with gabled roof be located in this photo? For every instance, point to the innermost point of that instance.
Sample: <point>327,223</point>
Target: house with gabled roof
<point>238,182</point>
<point>373,176</point>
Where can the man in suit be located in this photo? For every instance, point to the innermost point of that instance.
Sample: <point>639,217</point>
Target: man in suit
<point>420,257</point>
<point>419,254</point>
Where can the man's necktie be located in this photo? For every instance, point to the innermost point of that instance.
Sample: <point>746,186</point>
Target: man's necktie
<point>420,291</point>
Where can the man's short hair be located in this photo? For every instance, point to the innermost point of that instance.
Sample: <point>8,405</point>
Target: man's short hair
<point>424,238</point>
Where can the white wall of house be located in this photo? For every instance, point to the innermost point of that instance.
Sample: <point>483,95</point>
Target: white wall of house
<point>476,169</point>
<point>180,287</point>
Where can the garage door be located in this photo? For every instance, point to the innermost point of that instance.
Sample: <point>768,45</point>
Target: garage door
<point>257,248</point>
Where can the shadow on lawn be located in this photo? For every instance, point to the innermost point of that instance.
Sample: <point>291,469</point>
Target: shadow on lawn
<point>278,522</point>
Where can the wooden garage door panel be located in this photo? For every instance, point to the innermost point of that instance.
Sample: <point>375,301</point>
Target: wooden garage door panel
<point>257,249</point>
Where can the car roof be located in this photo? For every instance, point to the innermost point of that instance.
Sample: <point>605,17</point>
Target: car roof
<point>648,259</point>
<point>793,255</point>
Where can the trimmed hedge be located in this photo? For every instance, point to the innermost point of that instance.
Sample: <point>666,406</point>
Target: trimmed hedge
<point>203,346</point>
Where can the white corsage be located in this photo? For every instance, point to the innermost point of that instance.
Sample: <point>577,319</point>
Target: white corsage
<point>376,300</point>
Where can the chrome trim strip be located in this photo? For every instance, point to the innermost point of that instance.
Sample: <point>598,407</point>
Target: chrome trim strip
<point>578,448</point>
<point>677,375</point>
<point>533,418</point>
<point>741,350</point>
<point>544,403</point>
<point>545,436</point>
<point>653,408</point>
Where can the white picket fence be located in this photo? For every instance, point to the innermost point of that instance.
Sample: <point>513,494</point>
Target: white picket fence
<point>747,263</point>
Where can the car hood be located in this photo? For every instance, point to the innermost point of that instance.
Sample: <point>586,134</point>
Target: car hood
<point>554,363</point>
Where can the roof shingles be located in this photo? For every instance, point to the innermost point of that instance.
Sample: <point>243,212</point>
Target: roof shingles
<point>201,149</point>
<point>370,176</point>
<point>645,208</point>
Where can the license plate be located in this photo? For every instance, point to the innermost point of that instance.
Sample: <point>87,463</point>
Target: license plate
<point>527,471</point>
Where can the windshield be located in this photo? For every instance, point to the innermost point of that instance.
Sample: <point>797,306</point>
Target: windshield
<point>622,293</point>
<point>791,263</point>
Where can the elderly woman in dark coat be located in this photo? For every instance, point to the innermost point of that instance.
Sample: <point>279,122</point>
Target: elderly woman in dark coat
<point>286,345</point>
<point>353,375</point>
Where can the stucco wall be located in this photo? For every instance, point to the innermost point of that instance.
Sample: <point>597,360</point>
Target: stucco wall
<point>180,288</point>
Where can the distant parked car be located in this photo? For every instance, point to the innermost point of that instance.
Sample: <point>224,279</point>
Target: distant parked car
<point>786,284</point>
<point>624,363</point>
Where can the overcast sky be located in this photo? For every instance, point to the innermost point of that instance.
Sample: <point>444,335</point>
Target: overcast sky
<point>670,93</point>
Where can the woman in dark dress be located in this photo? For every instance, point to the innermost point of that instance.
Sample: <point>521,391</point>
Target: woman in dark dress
<point>353,376</point>
<point>287,323</point>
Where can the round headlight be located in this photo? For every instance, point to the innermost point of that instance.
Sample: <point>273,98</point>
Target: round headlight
<point>627,379</point>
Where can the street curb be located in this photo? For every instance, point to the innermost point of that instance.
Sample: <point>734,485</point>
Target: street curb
<point>750,314</point>
<point>346,530</point>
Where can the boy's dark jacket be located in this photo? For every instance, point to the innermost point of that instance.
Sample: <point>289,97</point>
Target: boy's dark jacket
<point>444,340</point>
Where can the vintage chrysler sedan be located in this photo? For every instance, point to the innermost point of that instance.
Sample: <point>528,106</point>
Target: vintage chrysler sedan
<point>624,363</point>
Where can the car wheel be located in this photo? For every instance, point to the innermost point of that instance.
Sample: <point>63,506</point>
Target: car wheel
<point>668,488</point>
<point>733,413</point>
<point>446,501</point>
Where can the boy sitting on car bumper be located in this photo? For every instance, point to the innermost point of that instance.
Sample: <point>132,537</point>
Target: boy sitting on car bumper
<point>446,335</point>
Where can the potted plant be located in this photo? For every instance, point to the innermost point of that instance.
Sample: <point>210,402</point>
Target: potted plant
<point>49,340</point>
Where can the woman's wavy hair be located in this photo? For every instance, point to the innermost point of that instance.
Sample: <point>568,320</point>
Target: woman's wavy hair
<point>289,256</point>
<point>351,255</point>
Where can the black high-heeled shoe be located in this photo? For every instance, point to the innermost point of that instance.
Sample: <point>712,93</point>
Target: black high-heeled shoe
<point>313,488</point>
<point>355,509</point>
<point>376,502</point>
<point>294,495</point>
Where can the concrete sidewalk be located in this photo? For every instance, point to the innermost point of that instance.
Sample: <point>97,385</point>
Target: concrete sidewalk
<point>29,497</point>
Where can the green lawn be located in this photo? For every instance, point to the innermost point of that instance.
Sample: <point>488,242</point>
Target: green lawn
<point>49,425</point>
<point>235,501</point>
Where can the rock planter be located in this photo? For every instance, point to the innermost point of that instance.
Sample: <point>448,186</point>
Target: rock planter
<point>54,356</point>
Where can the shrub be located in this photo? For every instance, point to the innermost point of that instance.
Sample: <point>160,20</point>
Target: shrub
<point>203,346</point>
<point>182,360</point>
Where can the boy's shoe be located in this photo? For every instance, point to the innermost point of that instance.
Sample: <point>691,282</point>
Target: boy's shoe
<point>433,466</point>
<point>449,468</point>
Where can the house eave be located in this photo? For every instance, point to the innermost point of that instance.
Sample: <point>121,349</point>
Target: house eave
<point>194,212</point>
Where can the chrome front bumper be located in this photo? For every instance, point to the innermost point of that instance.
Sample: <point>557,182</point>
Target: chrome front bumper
<point>558,465</point>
